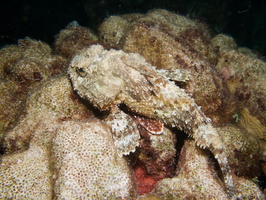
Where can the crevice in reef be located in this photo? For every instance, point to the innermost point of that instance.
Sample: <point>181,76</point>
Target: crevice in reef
<point>181,136</point>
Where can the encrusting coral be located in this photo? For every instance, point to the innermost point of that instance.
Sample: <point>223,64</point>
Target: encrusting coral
<point>26,175</point>
<point>44,106</point>
<point>82,149</point>
<point>117,27</point>
<point>88,164</point>
<point>171,112</point>
<point>245,80</point>
<point>23,67</point>
<point>244,144</point>
<point>72,39</point>
<point>196,177</point>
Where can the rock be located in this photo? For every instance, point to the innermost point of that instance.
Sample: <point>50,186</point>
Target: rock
<point>22,68</point>
<point>87,163</point>
<point>195,178</point>
<point>27,174</point>
<point>50,102</point>
<point>72,39</point>
<point>243,144</point>
<point>60,145</point>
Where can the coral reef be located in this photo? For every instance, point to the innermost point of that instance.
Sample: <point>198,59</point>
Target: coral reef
<point>153,107</point>
<point>195,176</point>
<point>245,79</point>
<point>116,27</point>
<point>23,67</point>
<point>72,39</point>
<point>71,149</point>
<point>244,144</point>
<point>197,179</point>
<point>26,175</point>
<point>170,41</point>
<point>44,106</point>
<point>87,163</point>
<point>157,152</point>
<point>107,78</point>
<point>11,105</point>
<point>145,182</point>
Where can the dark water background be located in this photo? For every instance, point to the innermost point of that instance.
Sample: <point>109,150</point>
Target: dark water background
<point>244,20</point>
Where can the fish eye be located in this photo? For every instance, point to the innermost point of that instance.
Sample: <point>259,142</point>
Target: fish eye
<point>81,72</point>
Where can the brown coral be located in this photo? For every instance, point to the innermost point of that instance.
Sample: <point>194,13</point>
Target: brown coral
<point>23,67</point>
<point>59,144</point>
<point>196,178</point>
<point>113,29</point>
<point>51,101</point>
<point>244,154</point>
<point>72,39</point>
<point>246,82</point>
